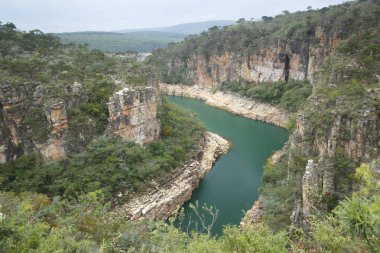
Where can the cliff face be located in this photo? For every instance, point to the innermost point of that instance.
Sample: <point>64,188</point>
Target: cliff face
<point>271,61</point>
<point>33,122</point>
<point>133,115</point>
<point>349,140</point>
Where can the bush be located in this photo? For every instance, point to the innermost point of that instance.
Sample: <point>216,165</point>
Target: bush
<point>108,164</point>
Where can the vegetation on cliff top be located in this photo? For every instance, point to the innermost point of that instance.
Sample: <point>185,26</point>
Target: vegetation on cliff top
<point>109,165</point>
<point>82,79</point>
<point>339,22</point>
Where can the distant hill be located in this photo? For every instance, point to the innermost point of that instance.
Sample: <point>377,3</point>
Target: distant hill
<point>140,41</point>
<point>186,28</point>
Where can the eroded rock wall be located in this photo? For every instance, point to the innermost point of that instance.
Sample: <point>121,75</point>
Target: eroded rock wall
<point>133,114</point>
<point>271,61</point>
<point>32,120</point>
<point>352,137</point>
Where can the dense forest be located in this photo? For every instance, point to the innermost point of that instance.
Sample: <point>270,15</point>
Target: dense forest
<point>69,205</point>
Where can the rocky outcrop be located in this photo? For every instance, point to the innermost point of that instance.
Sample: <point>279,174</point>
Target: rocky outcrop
<point>54,148</point>
<point>271,61</point>
<point>254,215</point>
<point>32,120</point>
<point>230,102</point>
<point>161,200</point>
<point>133,114</point>
<point>315,183</point>
<point>348,137</point>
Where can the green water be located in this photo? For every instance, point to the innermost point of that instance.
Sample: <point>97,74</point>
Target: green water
<point>233,183</point>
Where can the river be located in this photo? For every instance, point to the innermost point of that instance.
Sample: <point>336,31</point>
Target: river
<point>234,181</point>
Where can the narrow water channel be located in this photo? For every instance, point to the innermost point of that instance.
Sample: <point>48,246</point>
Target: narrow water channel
<point>233,183</point>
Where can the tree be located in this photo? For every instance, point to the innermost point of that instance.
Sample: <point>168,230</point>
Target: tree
<point>241,21</point>
<point>266,18</point>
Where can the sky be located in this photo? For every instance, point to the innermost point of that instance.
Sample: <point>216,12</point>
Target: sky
<point>108,15</point>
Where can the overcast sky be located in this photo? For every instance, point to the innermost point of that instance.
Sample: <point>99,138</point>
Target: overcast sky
<point>108,15</point>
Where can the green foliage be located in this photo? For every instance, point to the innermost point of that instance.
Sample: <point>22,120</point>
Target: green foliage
<point>120,42</point>
<point>290,96</point>
<point>257,239</point>
<point>32,222</point>
<point>291,124</point>
<point>354,225</point>
<point>328,236</point>
<point>108,164</point>
<point>35,120</point>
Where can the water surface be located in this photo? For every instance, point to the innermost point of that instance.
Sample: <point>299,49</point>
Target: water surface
<point>233,183</point>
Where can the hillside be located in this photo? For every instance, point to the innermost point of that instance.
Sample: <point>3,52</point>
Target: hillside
<point>187,28</point>
<point>140,41</point>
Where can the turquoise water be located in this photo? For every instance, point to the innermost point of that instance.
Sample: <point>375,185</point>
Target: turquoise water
<point>233,183</point>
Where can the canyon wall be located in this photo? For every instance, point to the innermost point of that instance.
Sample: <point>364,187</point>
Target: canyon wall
<point>270,61</point>
<point>352,138</point>
<point>32,122</point>
<point>133,114</point>
<point>33,119</point>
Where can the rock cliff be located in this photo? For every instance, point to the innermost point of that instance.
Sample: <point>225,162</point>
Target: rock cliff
<point>351,138</point>
<point>162,199</point>
<point>269,60</point>
<point>278,60</point>
<point>133,114</point>
<point>30,124</point>
<point>33,118</point>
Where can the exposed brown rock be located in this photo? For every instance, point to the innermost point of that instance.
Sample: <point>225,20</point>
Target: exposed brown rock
<point>279,59</point>
<point>133,114</point>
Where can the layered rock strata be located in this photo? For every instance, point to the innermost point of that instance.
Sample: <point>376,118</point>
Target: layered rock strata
<point>230,102</point>
<point>161,200</point>
<point>274,60</point>
<point>351,137</point>
<point>133,114</point>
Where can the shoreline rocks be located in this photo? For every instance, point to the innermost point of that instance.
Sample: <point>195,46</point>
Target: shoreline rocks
<point>230,102</point>
<point>254,215</point>
<point>160,201</point>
